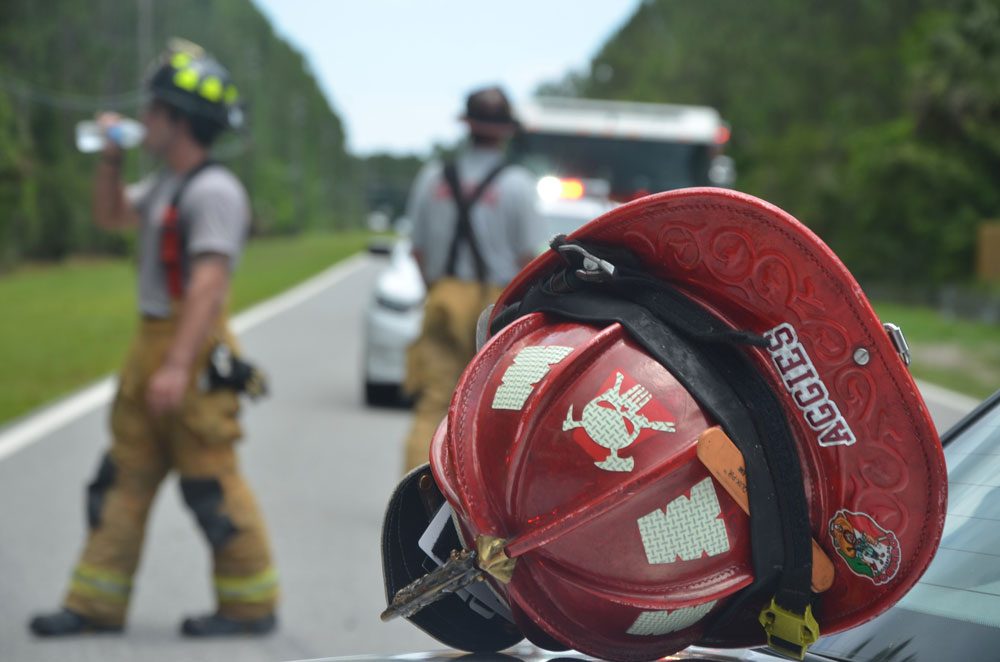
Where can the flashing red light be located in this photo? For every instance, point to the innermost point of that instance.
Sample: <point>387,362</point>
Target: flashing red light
<point>553,188</point>
<point>572,189</point>
<point>722,135</point>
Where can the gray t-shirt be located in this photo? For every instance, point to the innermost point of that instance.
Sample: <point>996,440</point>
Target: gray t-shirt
<point>504,219</point>
<point>214,209</point>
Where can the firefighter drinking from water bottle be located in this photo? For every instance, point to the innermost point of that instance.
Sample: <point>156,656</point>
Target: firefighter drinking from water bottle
<point>177,401</point>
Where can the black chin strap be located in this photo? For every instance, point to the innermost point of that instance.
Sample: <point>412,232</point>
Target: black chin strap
<point>707,358</point>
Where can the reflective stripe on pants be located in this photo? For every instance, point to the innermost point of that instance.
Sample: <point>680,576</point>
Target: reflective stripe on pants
<point>257,588</point>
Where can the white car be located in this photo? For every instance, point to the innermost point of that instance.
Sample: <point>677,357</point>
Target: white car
<point>589,156</point>
<point>395,311</point>
<point>392,322</point>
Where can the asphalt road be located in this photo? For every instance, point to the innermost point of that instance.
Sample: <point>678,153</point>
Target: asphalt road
<point>322,466</point>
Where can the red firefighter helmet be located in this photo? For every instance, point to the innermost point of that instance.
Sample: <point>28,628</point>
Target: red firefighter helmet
<point>588,455</point>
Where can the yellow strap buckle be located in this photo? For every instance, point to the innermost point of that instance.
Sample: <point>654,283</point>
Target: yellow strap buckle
<point>789,633</point>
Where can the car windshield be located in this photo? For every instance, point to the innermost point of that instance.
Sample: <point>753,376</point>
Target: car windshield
<point>631,167</point>
<point>953,612</point>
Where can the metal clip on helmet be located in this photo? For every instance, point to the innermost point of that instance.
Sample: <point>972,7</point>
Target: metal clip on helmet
<point>688,427</point>
<point>193,81</point>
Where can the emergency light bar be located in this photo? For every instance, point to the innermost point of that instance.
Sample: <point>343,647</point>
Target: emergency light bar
<point>553,188</point>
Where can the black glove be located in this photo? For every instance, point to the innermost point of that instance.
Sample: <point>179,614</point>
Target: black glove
<point>226,370</point>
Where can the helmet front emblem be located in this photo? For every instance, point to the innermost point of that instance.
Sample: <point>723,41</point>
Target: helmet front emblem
<point>612,420</point>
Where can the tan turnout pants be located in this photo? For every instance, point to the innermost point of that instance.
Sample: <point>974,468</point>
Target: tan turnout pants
<point>436,360</point>
<point>198,443</point>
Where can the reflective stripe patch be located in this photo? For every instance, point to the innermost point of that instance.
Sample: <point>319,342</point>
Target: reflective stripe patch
<point>652,623</point>
<point>186,79</point>
<point>261,587</point>
<point>100,584</point>
<point>180,60</point>
<point>612,420</point>
<point>529,367</point>
<point>687,529</point>
<point>211,88</point>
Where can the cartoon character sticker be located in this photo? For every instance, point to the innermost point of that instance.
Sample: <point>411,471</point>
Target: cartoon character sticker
<point>612,420</point>
<point>868,549</point>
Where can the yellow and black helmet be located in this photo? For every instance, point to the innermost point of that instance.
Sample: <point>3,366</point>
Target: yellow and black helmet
<point>193,81</point>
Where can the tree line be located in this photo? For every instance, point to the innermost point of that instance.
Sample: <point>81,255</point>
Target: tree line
<point>61,60</point>
<point>875,122</point>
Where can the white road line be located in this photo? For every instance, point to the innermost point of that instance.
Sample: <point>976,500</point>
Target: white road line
<point>52,418</point>
<point>297,295</point>
<point>38,425</point>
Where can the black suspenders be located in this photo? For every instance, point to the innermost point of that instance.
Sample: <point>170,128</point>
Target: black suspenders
<point>463,228</point>
<point>173,236</point>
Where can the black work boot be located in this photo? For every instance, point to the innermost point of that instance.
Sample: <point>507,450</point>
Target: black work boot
<point>217,625</point>
<point>66,623</point>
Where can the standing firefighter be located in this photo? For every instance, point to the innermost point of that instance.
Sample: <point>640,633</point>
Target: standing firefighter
<point>474,227</point>
<point>176,407</point>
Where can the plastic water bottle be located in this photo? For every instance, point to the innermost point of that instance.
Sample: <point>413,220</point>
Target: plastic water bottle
<point>126,133</point>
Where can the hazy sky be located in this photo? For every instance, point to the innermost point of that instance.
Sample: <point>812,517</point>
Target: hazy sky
<point>397,71</point>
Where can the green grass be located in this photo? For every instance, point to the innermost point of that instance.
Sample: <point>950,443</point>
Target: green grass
<point>66,325</point>
<point>957,354</point>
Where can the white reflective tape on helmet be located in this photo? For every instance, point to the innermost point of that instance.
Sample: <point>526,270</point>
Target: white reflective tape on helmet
<point>529,367</point>
<point>652,623</point>
<point>688,528</point>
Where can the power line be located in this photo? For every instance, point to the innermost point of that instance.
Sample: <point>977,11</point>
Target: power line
<point>77,102</point>
<point>66,101</point>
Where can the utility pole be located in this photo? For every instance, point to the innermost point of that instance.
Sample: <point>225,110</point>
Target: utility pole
<point>144,48</point>
<point>298,116</point>
<point>252,64</point>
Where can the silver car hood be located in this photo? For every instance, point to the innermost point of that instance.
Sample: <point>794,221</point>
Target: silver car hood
<point>528,653</point>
